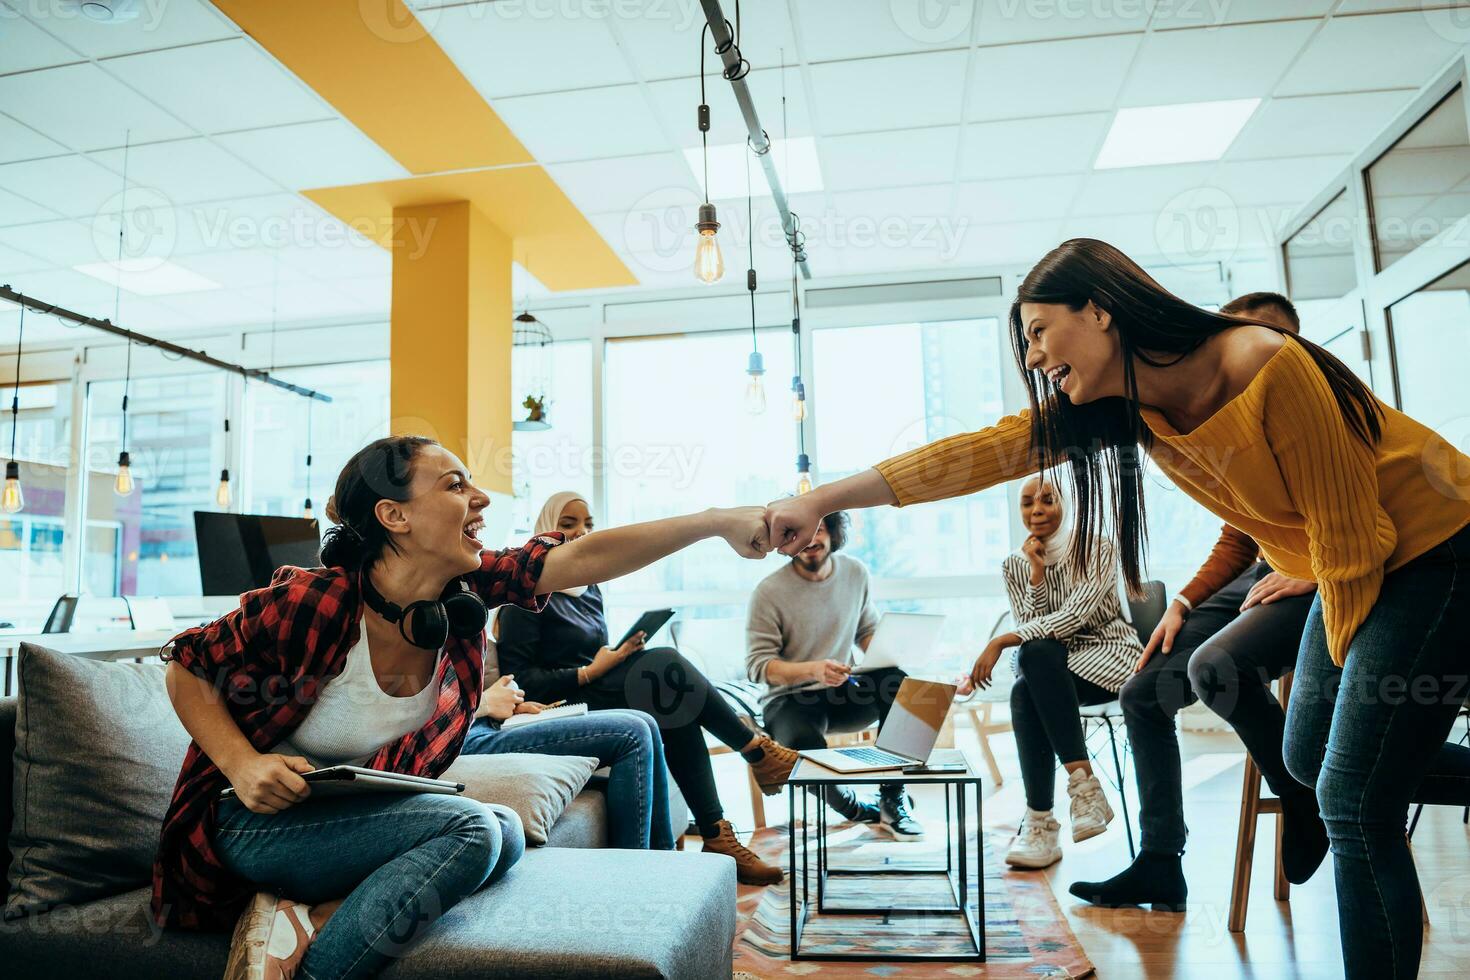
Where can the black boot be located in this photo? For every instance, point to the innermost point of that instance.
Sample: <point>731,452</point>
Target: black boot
<point>897,820</point>
<point>1154,879</point>
<point>1303,837</point>
<point>846,803</point>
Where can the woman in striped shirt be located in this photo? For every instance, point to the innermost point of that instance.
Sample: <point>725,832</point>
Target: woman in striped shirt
<point>1279,439</point>
<point>1074,649</point>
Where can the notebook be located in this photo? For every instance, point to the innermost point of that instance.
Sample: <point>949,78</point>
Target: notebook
<point>565,711</point>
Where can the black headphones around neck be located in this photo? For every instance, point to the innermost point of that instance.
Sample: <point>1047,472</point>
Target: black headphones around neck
<point>428,623</point>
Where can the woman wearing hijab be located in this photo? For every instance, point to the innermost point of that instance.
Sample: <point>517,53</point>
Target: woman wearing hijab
<point>627,742</point>
<point>1075,649</point>
<point>562,653</point>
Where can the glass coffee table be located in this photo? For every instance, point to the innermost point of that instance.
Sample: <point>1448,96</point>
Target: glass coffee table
<point>961,855</point>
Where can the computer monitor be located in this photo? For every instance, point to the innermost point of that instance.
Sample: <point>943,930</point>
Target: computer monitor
<point>240,552</point>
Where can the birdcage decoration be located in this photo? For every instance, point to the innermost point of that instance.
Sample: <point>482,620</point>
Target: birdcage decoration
<point>530,367</point>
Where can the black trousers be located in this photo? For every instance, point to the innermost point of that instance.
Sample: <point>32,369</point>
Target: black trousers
<point>801,720</point>
<point>663,683</point>
<point>1228,659</point>
<point>1044,718</point>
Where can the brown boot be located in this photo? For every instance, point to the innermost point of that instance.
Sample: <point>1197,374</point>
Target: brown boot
<point>749,869</point>
<point>775,765</point>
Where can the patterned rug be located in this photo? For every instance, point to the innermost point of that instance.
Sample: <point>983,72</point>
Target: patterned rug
<point>1025,933</point>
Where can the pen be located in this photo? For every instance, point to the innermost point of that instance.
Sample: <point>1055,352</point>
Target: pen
<point>556,704</point>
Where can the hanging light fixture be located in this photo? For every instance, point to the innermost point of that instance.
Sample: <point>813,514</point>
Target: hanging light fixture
<point>803,474</point>
<point>13,498</point>
<point>222,492</point>
<point>709,264</point>
<point>530,355</point>
<point>123,485</point>
<point>306,510</point>
<point>755,366</point>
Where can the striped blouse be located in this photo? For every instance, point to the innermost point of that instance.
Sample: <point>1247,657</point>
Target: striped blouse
<point>1080,610</point>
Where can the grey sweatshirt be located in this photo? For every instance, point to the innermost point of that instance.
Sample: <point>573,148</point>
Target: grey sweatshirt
<point>800,621</point>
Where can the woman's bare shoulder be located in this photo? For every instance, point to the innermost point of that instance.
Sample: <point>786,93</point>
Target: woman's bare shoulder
<point>1248,349</point>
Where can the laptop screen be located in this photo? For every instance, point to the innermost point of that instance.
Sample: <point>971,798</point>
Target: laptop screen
<point>914,721</point>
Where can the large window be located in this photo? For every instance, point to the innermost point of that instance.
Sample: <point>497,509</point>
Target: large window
<point>31,566</point>
<point>881,390</point>
<point>1431,351</point>
<point>1319,257</point>
<point>679,439</point>
<point>1419,186</point>
<point>561,457</point>
<point>275,476</point>
<point>143,544</point>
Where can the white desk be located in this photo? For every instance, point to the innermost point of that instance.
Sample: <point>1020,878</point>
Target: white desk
<point>106,645</point>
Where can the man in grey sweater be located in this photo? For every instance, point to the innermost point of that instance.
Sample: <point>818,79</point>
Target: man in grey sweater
<point>802,627</point>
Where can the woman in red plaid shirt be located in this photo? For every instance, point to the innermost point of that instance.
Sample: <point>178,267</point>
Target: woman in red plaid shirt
<point>286,683</point>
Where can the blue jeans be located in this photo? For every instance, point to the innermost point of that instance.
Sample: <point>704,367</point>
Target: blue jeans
<point>627,741</point>
<point>400,861</point>
<point>1367,733</point>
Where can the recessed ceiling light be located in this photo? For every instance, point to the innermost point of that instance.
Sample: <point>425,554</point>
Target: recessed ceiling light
<point>147,277</point>
<point>795,159</point>
<point>1184,133</point>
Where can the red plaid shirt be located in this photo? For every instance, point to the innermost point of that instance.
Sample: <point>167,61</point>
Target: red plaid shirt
<point>270,659</point>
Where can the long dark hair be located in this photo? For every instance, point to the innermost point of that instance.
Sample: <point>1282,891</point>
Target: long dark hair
<point>381,470</point>
<point>1104,439</point>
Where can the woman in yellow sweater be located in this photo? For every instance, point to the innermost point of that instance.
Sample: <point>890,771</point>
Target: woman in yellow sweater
<point>1278,438</point>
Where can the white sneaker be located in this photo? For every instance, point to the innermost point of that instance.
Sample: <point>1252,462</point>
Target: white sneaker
<point>1091,813</point>
<point>1036,845</point>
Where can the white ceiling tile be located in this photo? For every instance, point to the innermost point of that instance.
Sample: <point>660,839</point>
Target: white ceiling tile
<point>889,93</point>
<point>158,25</point>
<point>891,159</point>
<point>14,261</point>
<point>1375,51</point>
<point>1016,243</point>
<point>369,294</point>
<point>586,125</point>
<point>1377,6</point>
<point>221,86</point>
<point>187,171</point>
<point>73,186</point>
<point>507,49</point>
<point>1023,199</point>
<point>330,153</point>
<point>1290,181</point>
<point>833,30</point>
<point>1138,188</point>
<point>76,292</point>
<point>1316,124</point>
<point>85,108</point>
<point>237,268</point>
<point>59,243</point>
<point>275,221</point>
<point>24,46</point>
<point>1172,14</point>
<point>662,231</point>
<point>1079,75</point>
<point>626,184</point>
<point>662,37</point>
<point>1211,63</point>
<point>1003,21</point>
<point>915,217</point>
<point>676,104</point>
<point>328,258</point>
<point>19,211</point>
<point>1027,147</point>
<point>20,142</point>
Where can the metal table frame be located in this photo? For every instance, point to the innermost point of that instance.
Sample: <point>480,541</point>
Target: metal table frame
<point>956,866</point>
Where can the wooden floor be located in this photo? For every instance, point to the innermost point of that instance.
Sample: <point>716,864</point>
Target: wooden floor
<point>1298,938</point>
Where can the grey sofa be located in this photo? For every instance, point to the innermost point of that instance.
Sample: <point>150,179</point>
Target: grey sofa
<point>570,909</point>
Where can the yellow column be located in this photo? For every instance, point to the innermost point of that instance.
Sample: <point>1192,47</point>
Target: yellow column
<point>451,335</point>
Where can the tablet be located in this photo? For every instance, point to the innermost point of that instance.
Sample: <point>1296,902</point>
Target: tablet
<point>649,623</point>
<point>342,780</point>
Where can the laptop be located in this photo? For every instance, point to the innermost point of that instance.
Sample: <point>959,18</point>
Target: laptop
<point>910,636</point>
<point>908,734</point>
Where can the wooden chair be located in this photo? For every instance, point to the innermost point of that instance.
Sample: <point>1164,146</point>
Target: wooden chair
<point>1252,807</point>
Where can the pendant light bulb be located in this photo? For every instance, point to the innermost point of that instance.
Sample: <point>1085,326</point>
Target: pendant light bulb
<point>123,485</point>
<point>306,511</point>
<point>222,492</point>
<point>755,388</point>
<point>13,498</point>
<point>798,401</point>
<point>709,263</point>
<point>803,474</point>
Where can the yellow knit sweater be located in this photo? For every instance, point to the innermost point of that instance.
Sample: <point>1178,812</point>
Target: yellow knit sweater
<point>1279,463</point>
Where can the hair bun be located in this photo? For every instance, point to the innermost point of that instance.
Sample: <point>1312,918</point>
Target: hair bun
<point>332,514</point>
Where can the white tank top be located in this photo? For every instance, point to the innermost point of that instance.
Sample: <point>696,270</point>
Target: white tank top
<point>353,717</point>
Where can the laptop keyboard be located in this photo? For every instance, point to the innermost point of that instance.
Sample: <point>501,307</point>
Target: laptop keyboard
<point>874,757</point>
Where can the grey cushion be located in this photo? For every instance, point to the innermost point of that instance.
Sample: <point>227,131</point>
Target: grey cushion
<point>552,916</point>
<point>537,787</point>
<point>98,749</point>
<point>583,823</point>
